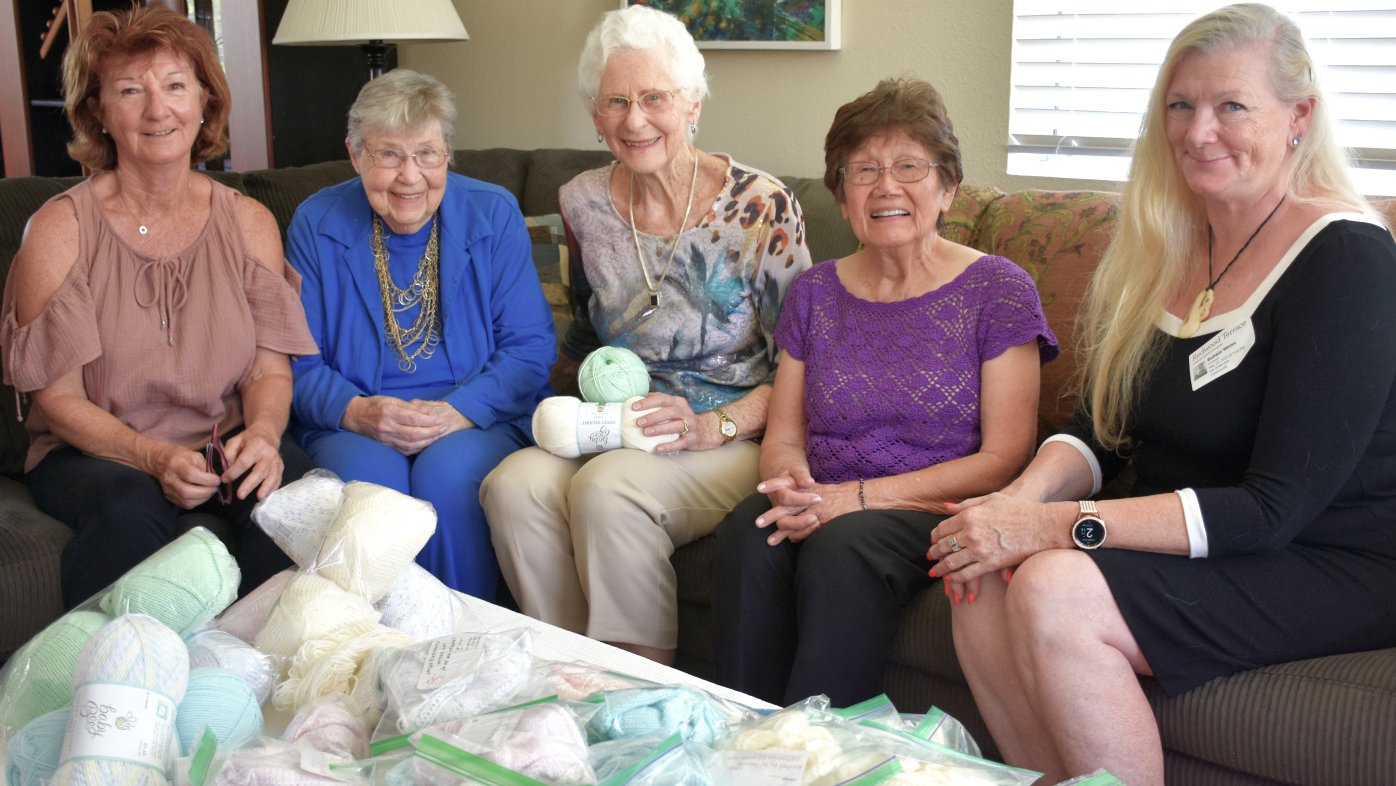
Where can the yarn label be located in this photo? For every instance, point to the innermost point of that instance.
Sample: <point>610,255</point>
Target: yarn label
<point>1222,353</point>
<point>449,658</point>
<point>764,768</point>
<point>122,722</point>
<point>598,427</point>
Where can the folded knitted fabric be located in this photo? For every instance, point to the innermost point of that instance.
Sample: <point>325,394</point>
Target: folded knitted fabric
<point>542,741</point>
<point>658,712</point>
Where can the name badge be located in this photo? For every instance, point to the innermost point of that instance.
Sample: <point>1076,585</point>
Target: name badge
<point>1221,354</point>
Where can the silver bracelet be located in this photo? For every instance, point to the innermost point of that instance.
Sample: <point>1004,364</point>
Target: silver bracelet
<point>862,499</point>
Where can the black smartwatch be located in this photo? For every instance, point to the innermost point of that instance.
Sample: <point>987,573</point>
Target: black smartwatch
<point>1089,530</point>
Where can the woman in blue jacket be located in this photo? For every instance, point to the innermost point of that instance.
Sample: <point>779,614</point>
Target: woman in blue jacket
<point>435,340</point>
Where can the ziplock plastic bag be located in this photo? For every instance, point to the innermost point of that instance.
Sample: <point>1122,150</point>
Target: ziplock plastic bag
<point>660,711</point>
<point>878,709</point>
<point>436,762</point>
<point>451,678</point>
<point>643,762</point>
<point>579,681</point>
<point>542,740</point>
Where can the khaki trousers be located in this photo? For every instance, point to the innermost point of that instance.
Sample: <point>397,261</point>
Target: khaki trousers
<point>584,543</point>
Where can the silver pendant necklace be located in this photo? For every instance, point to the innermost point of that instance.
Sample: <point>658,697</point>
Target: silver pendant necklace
<point>673,250</point>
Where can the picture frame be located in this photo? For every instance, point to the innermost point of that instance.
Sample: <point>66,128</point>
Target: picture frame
<point>756,24</point>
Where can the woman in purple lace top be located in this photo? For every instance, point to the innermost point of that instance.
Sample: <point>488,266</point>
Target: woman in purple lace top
<point>908,378</point>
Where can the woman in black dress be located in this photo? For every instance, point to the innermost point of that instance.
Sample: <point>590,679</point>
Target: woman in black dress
<point>1239,351</point>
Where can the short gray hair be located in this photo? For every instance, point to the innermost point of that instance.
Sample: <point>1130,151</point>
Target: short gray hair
<point>642,28</point>
<point>399,100</point>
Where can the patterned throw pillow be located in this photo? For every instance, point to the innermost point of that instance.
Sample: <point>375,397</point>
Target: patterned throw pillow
<point>550,256</point>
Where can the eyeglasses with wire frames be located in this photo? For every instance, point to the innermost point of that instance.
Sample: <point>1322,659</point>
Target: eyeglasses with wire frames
<point>907,170</point>
<point>216,461</point>
<point>426,158</point>
<point>651,103</point>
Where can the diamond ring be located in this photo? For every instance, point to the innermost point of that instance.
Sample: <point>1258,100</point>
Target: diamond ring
<point>954,544</point>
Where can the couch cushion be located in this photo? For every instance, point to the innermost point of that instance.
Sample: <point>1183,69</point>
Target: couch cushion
<point>1058,237</point>
<point>966,210</point>
<point>826,232</point>
<point>283,190</point>
<point>30,546</point>
<point>548,170</point>
<point>501,166</point>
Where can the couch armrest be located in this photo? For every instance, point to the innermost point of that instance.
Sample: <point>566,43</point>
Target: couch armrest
<point>31,543</point>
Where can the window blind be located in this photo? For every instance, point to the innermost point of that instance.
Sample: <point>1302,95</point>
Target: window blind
<point>1082,71</point>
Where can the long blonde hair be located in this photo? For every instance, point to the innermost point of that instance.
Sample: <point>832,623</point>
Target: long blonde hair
<point>1161,219</point>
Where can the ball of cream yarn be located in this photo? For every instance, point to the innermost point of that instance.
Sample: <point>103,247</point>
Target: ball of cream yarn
<point>555,427</point>
<point>375,536</point>
<point>612,374</point>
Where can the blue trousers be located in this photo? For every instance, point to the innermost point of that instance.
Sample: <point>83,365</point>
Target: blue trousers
<point>120,516</point>
<point>447,474</point>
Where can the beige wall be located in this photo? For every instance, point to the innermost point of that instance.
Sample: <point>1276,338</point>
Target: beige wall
<point>515,81</point>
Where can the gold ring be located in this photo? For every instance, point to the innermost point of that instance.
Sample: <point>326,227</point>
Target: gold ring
<point>954,544</point>
<point>685,426</point>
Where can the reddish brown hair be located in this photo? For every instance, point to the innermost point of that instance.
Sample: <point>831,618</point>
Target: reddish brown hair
<point>908,105</point>
<point>138,31</point>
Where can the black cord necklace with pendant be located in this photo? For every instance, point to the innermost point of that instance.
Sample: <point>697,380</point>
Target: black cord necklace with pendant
<point>1202,304</point>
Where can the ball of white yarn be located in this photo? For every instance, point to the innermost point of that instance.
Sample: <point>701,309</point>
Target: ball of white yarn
<point>214,648</point>
<point>246,617</point>
<point>375,536</point>
<point>139,651</point>
<point>310,607</point>
<point>419,605</point>
<point>297,515</point>
<point>555,427</point>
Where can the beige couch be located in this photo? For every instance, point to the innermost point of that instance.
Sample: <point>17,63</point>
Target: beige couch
<point>1325,721</point>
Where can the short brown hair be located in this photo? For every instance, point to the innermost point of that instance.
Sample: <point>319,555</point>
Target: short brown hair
<point>138,31</point>
<point>908,105</point>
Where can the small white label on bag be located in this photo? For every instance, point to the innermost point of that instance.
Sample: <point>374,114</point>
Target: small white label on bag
<point>598,427</point>
<point>1221,354</point>
<point>448,659</point>
<point>764,768</point>
<point>123,722</point>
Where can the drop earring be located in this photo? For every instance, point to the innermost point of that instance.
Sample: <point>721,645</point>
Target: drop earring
<point>599,138</point>
<point>693,128</point>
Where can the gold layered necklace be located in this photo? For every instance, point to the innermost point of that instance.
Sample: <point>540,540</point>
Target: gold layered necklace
<point>673,250</point>
<point>425,330</point>
<point>1202,304</point>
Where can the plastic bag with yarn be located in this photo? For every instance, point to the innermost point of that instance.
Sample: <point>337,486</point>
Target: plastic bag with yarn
<point>542,740</point>
<point>642,761</point>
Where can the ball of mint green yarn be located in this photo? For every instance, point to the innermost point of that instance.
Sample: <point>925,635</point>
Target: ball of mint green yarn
<point>34,753</point>
<point>219,700</point>
<point>612,374</point>
<point>184,584</point>
<point>39,678</point>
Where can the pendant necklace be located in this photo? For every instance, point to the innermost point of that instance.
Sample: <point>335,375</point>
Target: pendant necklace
<point>673,250</point>
<point>1202,304</point>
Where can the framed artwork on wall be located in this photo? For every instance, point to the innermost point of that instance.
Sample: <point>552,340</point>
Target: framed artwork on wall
<point>756,24</point>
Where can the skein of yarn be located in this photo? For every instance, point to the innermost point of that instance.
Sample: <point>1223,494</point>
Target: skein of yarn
<point>309,608</point>
<point>211,647</point>
<point>184,584</point>
<point>217,699</point>
<point>39,678</point>
<point>612,374</point>
<point>129,680</point>
<point>328,665</point>
<point>375,536</point>
<point>34,752</point>
<point>567,427</point>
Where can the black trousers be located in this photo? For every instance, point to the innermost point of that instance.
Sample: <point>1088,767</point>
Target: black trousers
<point>819,616</point>
<point>119,516</point>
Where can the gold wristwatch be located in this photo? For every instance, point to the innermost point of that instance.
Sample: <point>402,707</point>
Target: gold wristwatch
<point>726,426</point>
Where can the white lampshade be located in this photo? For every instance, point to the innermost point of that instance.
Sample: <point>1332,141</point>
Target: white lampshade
<point>358,21</point>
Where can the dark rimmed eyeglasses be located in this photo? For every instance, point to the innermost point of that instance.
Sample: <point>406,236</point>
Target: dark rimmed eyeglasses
<point>216,461</point>
<point>907,170</point>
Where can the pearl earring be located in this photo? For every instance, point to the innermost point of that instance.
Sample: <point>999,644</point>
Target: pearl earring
<point>104,131</point>
<point>201,121</point>
<point>1296,140</point>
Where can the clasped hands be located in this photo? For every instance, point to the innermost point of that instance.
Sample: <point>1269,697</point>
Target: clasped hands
<point>800,506</point>
<point>409,427</point>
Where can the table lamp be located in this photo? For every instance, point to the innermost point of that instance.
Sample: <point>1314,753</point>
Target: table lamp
<point>369,23</point>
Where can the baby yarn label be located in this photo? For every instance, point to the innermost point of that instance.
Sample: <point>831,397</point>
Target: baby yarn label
<point>123,722</point>
<point>598,427</point>
<point>1222,353</point>
<point>764,768</point>
<point>449,658</point>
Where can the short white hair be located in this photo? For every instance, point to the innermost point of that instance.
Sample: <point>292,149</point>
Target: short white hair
<point>401,100</point>
<point>647,29</point>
